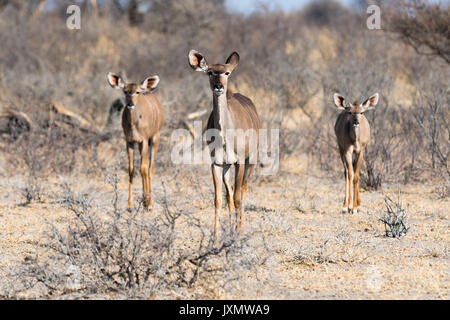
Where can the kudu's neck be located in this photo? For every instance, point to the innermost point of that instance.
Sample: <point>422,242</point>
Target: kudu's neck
<point>129,114</point>
<point>221,113</point>
<point>133,113</point>
<point>355,133</point>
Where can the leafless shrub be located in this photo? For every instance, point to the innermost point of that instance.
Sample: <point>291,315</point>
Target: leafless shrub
<point>32,191</point>
<point>107,249</point>
<point>380,153</point>
<point>431,116</point>
<point>328,13</point>
<point>442,191</point>
<point>395,218</point>
<point>422,25</point>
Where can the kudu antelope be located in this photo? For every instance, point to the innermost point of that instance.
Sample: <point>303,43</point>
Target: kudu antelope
<point>142,121</point>
<point>231,112</point>
<point>353,134</point>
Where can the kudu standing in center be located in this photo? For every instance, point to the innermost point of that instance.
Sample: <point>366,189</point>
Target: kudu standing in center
<point>235,113</point>
<point>142,121</point>
<point>353,134</point>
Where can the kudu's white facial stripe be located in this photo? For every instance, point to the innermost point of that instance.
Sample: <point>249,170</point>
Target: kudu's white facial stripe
<point>131,106</point>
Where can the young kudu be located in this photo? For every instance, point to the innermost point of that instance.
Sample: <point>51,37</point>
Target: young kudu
<point>353,134</point>
<point>142,121</point>
<point>231,112</point>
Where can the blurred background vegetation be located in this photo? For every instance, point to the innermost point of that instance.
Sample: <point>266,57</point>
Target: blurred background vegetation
<point>58,114</point>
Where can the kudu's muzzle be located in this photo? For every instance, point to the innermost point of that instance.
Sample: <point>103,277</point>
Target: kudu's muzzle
<point>218,89</point>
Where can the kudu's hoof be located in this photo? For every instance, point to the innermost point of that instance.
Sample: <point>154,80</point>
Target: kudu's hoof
<point>147,202</point>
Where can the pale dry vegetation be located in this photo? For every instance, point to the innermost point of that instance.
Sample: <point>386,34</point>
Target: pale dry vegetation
<point>64,229</point>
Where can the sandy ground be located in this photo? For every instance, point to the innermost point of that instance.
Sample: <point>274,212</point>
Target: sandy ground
<point>315,251</point>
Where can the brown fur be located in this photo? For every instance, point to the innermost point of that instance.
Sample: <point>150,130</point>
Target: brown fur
<point>244,114</point>
<point>141,125</point>
<point>353,134</point>
<point>236,111</point>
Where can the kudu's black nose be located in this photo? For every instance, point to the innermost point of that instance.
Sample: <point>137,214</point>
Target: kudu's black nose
<point>218,86</point>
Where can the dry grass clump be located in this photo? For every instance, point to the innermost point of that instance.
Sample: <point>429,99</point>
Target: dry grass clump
<point>341,248</point>
<point>395,219</point>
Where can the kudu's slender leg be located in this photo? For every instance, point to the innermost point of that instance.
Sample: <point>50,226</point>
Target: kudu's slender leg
<point>351,174</point>
<point>143,148</point>
<point>154,144</point>
<point>217,172</point>
<point>130,151</point>
<point>356,197</point>
<point>229,191</point>
<point>345,206</point>
<point>361,158</point>
<point>247,172</point>
<point>239,178</point>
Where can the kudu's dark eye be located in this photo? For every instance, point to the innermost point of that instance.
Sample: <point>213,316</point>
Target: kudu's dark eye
<point>227,73</point>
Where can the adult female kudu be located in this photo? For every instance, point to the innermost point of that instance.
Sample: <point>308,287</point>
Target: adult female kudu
<point>353,134</point>
<point>235,113</point>
<point>142,121</point>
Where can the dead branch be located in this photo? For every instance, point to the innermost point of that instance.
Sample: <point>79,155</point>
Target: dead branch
<point>70,117</point>
<point>9,115</point>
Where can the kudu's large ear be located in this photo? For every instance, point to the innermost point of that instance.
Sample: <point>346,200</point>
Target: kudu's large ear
<point>339,101</point>
<point>233,59</point>
<point>150,83</point>
<point>197,61</point>
<point>371,102</point>
<point>115,81</point>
